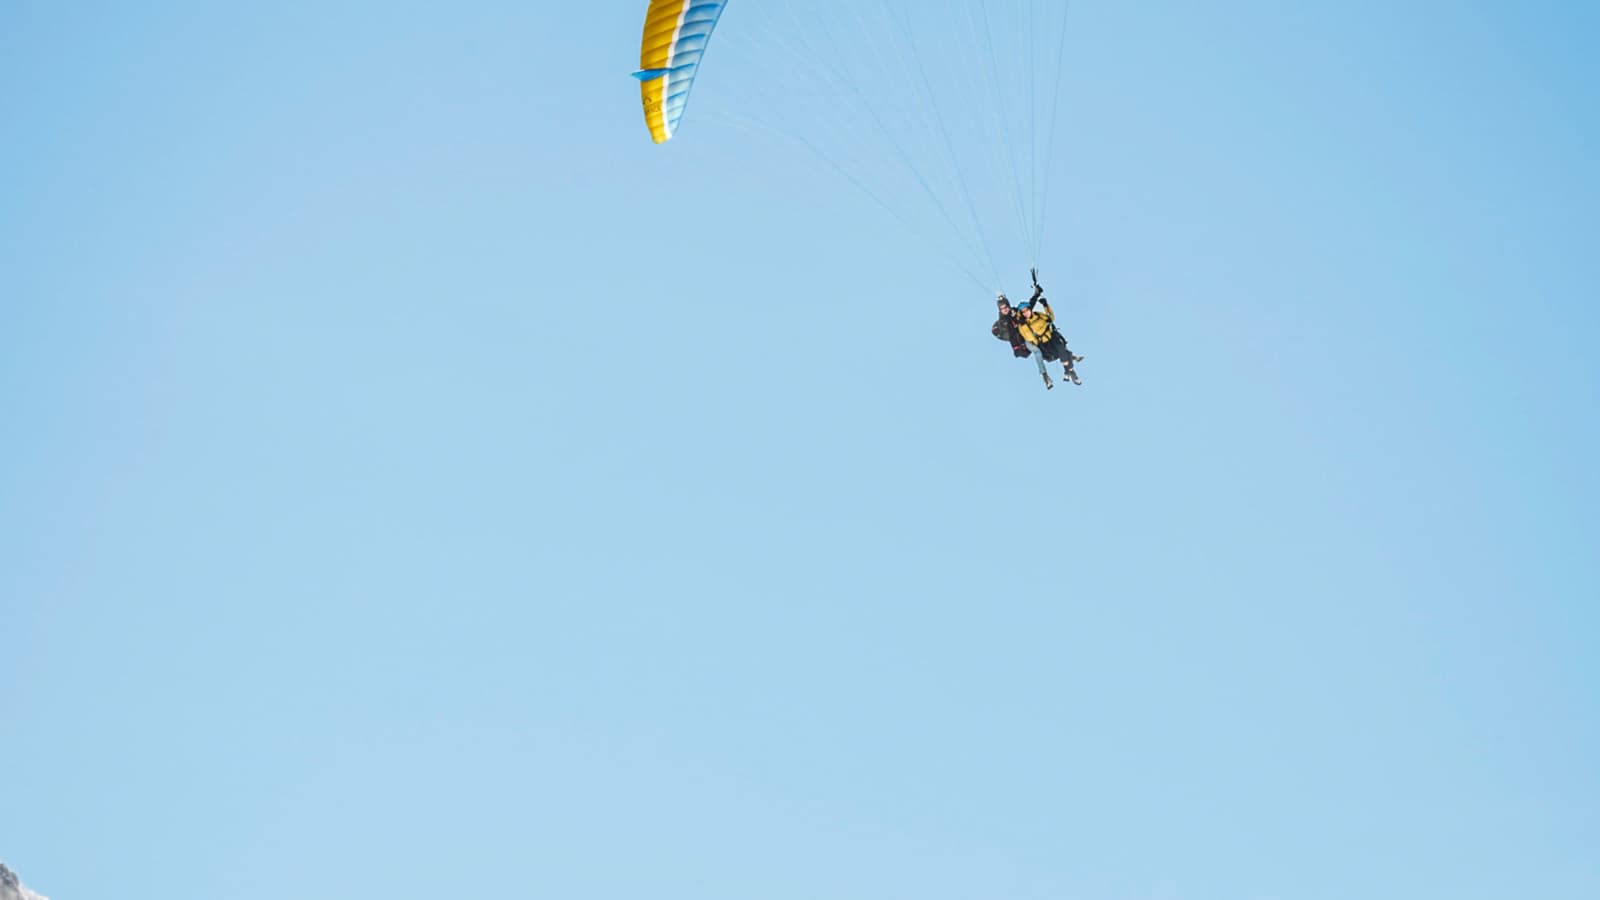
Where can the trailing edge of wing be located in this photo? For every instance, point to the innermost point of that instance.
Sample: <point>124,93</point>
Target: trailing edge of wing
<point>674,41</point>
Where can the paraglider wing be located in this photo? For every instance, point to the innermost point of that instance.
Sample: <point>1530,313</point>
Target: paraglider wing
<point>675,36</point>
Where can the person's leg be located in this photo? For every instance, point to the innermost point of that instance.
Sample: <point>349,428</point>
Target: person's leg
<point>1060,353</point>
<point>1067,360</point>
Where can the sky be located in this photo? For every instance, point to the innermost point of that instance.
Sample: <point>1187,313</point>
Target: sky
<point>413,482</point>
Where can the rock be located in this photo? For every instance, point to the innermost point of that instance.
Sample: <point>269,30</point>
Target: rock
<point>11,887</point>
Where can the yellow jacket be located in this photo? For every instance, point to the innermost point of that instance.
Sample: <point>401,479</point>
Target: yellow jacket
<point>1036,329</point>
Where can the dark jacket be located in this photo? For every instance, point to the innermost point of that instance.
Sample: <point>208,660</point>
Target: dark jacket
<point>1005,328</point>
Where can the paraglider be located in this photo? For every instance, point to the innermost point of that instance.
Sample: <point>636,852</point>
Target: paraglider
<point>823,76</point>
<point>1005,328</point>
<point>1036,322</point>
<point>1031,327</point>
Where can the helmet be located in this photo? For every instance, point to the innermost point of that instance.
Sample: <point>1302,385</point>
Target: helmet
<point>1000,299</point>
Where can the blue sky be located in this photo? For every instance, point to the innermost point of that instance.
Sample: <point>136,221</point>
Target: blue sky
<point>414,482</point>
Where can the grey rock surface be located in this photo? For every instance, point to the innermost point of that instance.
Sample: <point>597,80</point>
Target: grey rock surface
<point>11,887</point>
